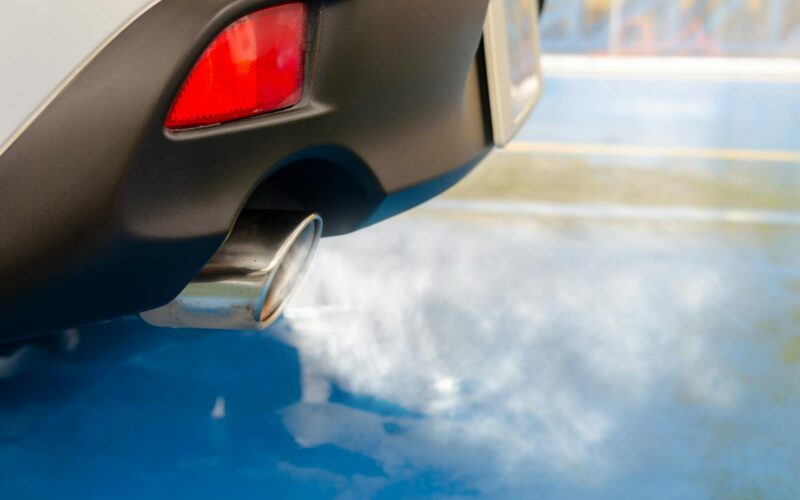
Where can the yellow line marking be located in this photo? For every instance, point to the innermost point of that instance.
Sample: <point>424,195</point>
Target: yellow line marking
<point>751,155</point>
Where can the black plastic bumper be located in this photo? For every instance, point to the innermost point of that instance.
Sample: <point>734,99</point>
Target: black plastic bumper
<point>103,212</point>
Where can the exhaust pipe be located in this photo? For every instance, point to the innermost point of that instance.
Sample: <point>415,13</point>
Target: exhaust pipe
<point>247,283</point>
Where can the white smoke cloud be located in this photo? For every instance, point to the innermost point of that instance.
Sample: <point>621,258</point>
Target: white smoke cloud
<point>527,347</point>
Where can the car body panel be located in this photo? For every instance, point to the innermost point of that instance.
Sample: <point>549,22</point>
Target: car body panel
<point>44,43</point>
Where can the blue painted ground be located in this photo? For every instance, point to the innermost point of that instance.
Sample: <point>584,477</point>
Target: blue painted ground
<point>683,113</point>
<point>448,354</point>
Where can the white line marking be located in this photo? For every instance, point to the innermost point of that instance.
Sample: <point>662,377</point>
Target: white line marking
<point>751,155</point>
<point>601,211</point>
<point>691,68</point>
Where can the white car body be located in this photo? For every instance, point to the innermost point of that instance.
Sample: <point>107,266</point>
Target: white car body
<point>44,43</point>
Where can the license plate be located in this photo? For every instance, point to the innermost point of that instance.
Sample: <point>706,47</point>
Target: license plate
<point>511,44</point>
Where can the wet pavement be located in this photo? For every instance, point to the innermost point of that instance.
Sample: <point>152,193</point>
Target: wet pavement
<point>604,324</point>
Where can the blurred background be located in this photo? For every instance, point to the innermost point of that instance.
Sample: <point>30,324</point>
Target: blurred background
<point>729,28</point>
<point>608,308</point>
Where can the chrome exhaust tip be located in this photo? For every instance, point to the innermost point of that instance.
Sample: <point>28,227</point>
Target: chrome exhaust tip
<point>247,283</point>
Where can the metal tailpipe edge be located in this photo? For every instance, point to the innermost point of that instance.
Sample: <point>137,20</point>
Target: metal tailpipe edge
<point>248,281</point>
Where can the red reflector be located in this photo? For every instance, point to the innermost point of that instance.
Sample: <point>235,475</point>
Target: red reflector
<point>255,66</point>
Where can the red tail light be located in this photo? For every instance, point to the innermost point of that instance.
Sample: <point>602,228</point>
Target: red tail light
<point>253,67</point>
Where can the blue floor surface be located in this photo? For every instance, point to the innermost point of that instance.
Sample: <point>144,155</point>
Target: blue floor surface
<point>453,354</point>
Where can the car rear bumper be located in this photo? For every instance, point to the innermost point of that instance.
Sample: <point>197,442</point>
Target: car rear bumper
<point>103,212</point>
